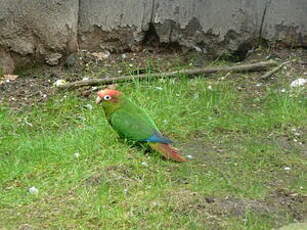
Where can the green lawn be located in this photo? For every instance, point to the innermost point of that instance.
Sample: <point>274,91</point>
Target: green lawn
<point>241,139</point>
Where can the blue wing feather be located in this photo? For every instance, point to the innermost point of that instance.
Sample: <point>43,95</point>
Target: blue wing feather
<point>157,137</point>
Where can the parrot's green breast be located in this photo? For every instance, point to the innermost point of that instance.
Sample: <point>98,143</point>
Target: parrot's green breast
<point>132,122</point>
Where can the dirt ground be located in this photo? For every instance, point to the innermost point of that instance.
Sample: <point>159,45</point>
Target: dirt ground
<point>35,85</point>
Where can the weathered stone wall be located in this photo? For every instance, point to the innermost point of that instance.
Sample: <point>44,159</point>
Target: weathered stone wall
<point>47,30</point>
<point>37,29</point>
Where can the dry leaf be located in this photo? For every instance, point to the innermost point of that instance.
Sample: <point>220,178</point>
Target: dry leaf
<point>101,55</point>
<point>10,77</point>
<point>113,86</point>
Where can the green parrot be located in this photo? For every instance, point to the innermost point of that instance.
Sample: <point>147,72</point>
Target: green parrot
<point>133,123</point>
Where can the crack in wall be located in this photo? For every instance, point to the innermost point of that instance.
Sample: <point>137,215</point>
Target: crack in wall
<point>152,11</point>
<point>78,22</point>
<point>266,6</point>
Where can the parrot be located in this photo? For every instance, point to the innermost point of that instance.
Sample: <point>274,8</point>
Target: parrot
<point>132,123</point>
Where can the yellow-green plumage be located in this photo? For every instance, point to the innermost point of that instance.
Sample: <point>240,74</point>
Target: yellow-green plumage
<point>133,123</point>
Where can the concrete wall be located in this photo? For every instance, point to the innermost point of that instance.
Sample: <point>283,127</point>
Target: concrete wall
<point>47,30</point>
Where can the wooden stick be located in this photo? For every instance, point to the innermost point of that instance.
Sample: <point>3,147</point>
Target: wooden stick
<point>189,72</point>
<point>270,73</point>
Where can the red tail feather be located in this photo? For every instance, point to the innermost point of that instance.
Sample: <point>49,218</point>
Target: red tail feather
<point>168,151</point>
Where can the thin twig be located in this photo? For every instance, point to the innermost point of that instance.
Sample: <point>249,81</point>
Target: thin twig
<point>270,73</point>
<point>188,72</point>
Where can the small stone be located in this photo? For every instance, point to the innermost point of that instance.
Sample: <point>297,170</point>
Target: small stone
<point>33,190</point>
<point>259,84</point>
<point>85,79</point>
<point>53,59</point>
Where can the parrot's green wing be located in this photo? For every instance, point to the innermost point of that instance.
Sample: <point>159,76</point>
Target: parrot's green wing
<point>133,123</point>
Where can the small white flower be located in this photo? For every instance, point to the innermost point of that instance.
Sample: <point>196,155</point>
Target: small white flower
<point>144,164</point>
<point>159,88</point>
<point>124,56</point>
<point>77,155</point>
<point>295,140</point>
<point>33,190</point>
<point>298,82</point>
<point>44,95</point>
<point>287,168</point>
<point>164,121</point>
<point>131,65</point>
<point>210,87</point>
<point>190,157</point>
<point>283,90</point>
<point>119,71</point>
<point>259,84</point>
<point>85,79</point>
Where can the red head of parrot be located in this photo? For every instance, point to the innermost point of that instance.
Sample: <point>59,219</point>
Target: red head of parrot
<point>108,96</point>
<point>110,99</point>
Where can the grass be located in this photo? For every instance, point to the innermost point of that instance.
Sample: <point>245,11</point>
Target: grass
<point>241,142</point>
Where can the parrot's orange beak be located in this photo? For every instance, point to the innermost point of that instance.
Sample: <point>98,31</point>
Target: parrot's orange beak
<point>98,100</point>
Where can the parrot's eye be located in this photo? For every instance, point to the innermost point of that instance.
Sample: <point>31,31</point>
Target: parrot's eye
<point>107,97</point>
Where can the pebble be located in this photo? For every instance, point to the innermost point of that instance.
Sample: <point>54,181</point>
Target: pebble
<point>33,190</point>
